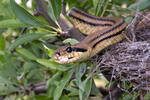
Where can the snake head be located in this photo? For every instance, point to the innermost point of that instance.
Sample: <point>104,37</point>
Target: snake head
<point>70,54</point>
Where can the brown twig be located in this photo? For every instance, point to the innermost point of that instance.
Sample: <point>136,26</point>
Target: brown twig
<point>38,88</point>
<point>64,8</point>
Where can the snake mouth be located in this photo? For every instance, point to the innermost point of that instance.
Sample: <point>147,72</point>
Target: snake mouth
<point>64,60</point>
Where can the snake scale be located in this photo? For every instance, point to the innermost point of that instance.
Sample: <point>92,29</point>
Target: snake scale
<point>102,32</point>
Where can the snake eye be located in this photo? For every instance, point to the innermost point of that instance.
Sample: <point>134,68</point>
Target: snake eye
<point>69,49</point>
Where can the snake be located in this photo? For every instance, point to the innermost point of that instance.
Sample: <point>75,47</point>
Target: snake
<point>101,32</point>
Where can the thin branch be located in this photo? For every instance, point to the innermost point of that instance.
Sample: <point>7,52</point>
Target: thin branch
<point>64,8</point>
<point>38,88</point>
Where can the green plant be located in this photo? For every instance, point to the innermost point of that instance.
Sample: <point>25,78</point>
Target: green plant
<point>25,58</point>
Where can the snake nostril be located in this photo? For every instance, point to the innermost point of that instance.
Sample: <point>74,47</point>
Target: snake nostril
<point>57,54</point>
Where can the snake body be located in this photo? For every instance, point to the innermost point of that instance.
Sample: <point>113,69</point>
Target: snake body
<point>102,32</point>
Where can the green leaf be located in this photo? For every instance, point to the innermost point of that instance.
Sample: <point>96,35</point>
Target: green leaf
<point>141,5</point>
<point>24,15</point>
<point>65,97</point>
<point>147,96</point>
<point>53,65</point>
<point>62,84</point>
<point>54,9</point>
<point>57,7</point>
<point>12,23</point>
<point>79,83</point>
<point>80,71</point>
<point>29,66</point>
<point>132,96</point>
<point>71,41</point>
<point>88,87</point>
<point>126,86</point>
<point>51,83</point>
<point>2,43</point>
<point>41,97</point>
<point>32,73</point>
<point>51,12</point>
<point>52,79</point>
<point>26,53</point>
<point>24,39</point>
<point>84,86</point>
<point>6,86</point>
<point>50,51</point>
<point>8,70</point>
<point>73,91</point>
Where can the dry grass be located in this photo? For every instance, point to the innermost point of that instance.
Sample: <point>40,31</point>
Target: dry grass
<point>130,61</point>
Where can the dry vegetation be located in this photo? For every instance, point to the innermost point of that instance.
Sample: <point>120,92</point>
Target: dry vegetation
<point>129,61</point>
